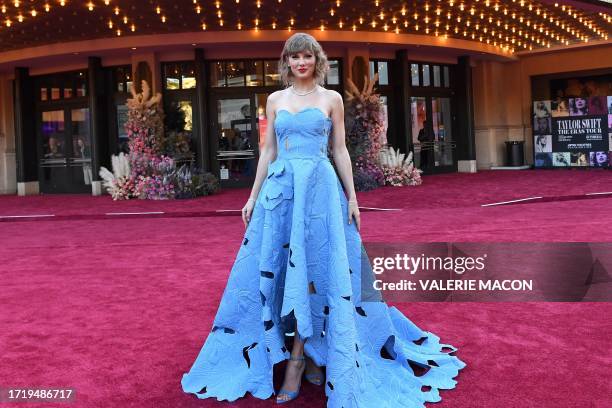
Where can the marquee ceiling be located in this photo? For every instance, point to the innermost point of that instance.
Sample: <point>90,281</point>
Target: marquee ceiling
<point>511,25</point>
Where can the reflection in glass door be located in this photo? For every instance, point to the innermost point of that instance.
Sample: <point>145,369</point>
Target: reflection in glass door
<point>53,163</point>
<point>80,162</point>
<point>441,117</point>
<point>422,134</point>
<point>236,140</point>
<point>65,146</point>
<point>432,133</point>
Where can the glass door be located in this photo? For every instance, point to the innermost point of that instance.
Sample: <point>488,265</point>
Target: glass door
<point>236,136</point>
<point>53,162</point>
<point>64,144</point>
<point>443,134</point>
<point>79,162</point>
<point>432,136</point>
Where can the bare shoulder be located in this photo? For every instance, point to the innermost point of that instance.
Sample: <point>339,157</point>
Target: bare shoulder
<point>274,98</point>
<point>335,99</point>
<point>334,95</point>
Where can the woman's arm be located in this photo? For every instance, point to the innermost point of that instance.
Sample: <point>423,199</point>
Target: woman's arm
<point>341,155</point>
<point>266,155</point>
<point>268,150</point>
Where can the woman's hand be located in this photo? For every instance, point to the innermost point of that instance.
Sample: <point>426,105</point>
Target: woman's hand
<point>353,211</point>
<point>247,210</point>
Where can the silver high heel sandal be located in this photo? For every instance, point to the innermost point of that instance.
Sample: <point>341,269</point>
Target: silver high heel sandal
<point>291,394</point>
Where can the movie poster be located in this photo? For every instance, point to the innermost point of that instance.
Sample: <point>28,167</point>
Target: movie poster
<point>573,132</point>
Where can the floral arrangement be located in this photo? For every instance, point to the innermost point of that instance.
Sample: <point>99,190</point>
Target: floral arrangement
<point>365,133</point>
<point>190,182</point>
<point>145,172</point>
<point>399,169</point>
<point>178,143</point>
<point>119,184</point>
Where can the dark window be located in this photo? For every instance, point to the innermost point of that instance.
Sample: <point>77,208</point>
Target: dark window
<point>179,75</point>
<point>382,68</point>
<point>65,85</point>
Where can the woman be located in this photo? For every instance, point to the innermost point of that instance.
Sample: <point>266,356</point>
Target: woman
<point>578,107</point>
<point>599,159</point>
<point>300,267</point>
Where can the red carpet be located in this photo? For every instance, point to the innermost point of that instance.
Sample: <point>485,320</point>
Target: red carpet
<point>118,308</point>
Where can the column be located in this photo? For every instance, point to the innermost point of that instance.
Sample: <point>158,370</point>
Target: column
<point>25,133</point>
<point>463,105</point>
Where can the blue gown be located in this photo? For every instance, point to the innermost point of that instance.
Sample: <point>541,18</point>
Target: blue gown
<point>300,262</point>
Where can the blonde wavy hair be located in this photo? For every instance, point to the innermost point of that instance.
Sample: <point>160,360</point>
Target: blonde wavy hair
<point>300,42</point>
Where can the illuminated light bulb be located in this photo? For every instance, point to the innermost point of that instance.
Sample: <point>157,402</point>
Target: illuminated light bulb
<point>360,20</point>
<point>20,18</point>
<point>274,25</point>
<point>337,3</point>
<point>133,28</point>
<point>217,5</point>
<point>221,23</point>
<point>62,3</point>
<point>291,21</point>
<point>340,24</point>
<point>406,23</point>
<point>163,19</point>
<point>403,11</point>
<point>47,7</point>
<point>33,13</point>
<point>125,20</point>
<point>373,24</point>
<point>396,30</point>
<point>219,13</point>
<point>416,16</point>
<point>394,20</point>
<point>331,12</point>
<point>90,6</point>
<point>118,32</point>
<point>110,25</point>
<point>426,30</point>
<point>258,4</point>
<point>198,9</point>
<point>386,27</point>
<point>354,27</point>
<point>16,2</point>
<point>416,27</point>
<point>203,26</point>
<point>381,15</point>
<point>322,28</point>
<point>116,11</point>
<point>239,26</point>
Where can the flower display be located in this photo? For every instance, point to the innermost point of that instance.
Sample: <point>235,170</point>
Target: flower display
<point>146,172</point>
<point>399,169</point>
<point>366,136</point>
